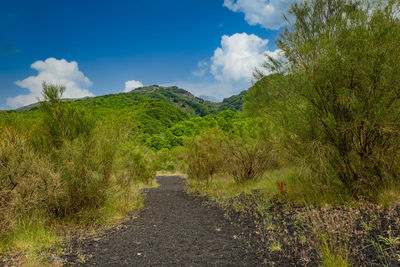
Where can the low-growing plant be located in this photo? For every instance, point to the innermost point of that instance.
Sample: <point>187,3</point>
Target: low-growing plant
<point>332,255</point>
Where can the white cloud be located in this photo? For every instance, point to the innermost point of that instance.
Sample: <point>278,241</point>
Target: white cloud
<point>60,72</point>
<point>231,67</point>
<point>267,13</point>
<point>130,85</point>
<point>238,57</point>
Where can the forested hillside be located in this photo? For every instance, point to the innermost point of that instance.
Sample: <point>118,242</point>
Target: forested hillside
<point>184,100</point>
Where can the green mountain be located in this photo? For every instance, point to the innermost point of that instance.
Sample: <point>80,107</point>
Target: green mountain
<point>180,98</point>
<point>234,103</point>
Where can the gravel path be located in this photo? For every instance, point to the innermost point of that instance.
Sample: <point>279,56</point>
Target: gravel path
<point>173,229</point>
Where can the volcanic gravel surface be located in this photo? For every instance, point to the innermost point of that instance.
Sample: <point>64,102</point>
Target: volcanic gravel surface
<point>173,229</point>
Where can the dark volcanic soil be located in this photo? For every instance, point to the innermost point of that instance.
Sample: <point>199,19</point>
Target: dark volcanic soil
<point>173,229</point>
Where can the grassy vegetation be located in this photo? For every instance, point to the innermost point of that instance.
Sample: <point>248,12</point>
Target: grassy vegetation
<point>64,168</point>
<point>68,164</point>
<point>324,127</point>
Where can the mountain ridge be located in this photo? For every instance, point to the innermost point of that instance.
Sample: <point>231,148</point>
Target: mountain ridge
<point>181,98</point>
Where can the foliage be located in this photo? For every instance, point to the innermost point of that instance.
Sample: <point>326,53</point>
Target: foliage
<point>61,121</point>
<point>337,95</point>
<point>170,160</point>
<point>247,158</point>
<point>26,181</point>
<point>137,163</point>
<point>234,103</point>
<point>173,96</point>
<point>203,155</point>
<point>241,148</point>
<point>182,99</point>
<point>65,166</point>
<point>159,117</point>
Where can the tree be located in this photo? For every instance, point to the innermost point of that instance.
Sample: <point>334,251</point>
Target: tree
<point>338,88</point>
<point>60,120</point>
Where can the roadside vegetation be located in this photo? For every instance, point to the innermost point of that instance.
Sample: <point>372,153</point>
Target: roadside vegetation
<point>65,169</point>
<point>317,162</point>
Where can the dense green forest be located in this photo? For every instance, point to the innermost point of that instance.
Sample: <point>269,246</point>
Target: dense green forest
<point>321,132</point>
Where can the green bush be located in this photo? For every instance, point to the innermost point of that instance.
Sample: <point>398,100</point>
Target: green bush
<point>66,164</point>
<point>245,152</point>
<point>169,160</point>
<point>28,182</point>
<point>204,155</point>
<point>247,159</point>
<point>137,163</point>
<point>336,97</point>
<point>61,121</point>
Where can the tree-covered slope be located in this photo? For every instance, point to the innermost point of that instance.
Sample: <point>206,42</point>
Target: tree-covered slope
<point>234,103</point>
<point>178,97</point>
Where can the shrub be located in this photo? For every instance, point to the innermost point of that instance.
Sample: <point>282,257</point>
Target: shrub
<point>248,150</point>
<point>27,182</point>
<point>61,121</point>
<point>204,154</point>
<point>61,163</point>
<point>336,97</point>
<point>169,160</point>
<point>137,163</point>
<point>247,159</point>
<point>68,164</point>
<point>85,170</point>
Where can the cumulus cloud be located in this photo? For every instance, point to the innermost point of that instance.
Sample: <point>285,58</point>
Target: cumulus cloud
<point>267,13</point>
<point>60,72</point>
<point>238,57</point>
<point>230,69</point>
<point>130,85</point>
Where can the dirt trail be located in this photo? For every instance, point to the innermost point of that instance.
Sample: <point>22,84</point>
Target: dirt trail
<point>173,229</point>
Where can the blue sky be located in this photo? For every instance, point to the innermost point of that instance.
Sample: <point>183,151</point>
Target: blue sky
<point>208,47</point>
